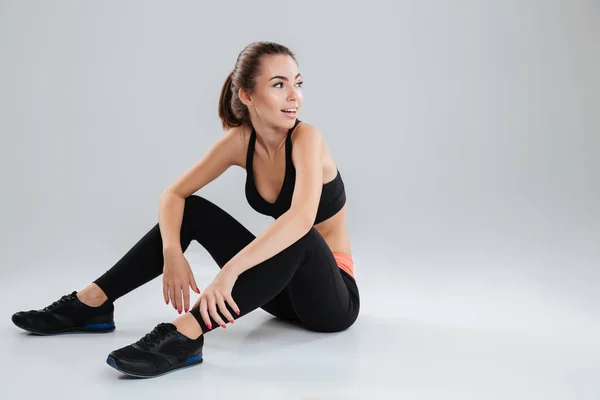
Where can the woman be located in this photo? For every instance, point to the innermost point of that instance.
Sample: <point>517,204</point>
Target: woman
<point>299,269</point>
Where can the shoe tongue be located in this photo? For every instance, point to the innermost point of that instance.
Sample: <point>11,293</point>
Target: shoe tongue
<point>169,326</point>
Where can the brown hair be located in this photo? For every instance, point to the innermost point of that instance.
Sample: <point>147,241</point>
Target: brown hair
<point>232,111</point>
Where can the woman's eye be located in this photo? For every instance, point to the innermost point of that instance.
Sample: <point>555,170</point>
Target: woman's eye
<point>281,83</point>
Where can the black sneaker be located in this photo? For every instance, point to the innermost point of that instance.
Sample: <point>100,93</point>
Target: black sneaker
<point>162,350</point>
<point>67,315</point>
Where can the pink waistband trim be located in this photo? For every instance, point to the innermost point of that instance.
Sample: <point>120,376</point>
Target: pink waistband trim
<point>345,262</point>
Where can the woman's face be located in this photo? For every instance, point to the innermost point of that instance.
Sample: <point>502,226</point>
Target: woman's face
<point>278,87</point>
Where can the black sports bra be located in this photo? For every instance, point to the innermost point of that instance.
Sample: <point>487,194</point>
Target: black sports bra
<point>333,195</point>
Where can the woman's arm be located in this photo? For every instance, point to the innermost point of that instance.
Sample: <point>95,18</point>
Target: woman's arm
<point>170,216</point>
<point>307,154</point>
<point>281,234</point>
<point>223,153</point>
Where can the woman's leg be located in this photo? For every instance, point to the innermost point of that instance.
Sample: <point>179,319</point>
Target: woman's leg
<point>215,229</point>
<point>306,279</point>
<point>323,293</point>
<point>303,276</point>
<point>264,285</point>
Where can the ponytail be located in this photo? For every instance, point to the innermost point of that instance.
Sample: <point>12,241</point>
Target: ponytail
<point>228,117</point>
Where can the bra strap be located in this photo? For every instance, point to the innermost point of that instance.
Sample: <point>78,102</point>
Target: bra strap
<point>250,152</point>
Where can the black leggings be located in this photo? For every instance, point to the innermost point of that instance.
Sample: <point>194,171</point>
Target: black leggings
<point>302,283</point>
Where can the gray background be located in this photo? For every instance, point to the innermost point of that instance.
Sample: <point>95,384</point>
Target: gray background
<point>467,134</point>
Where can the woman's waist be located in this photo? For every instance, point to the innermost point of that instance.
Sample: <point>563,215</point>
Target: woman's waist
<point>337,241</point>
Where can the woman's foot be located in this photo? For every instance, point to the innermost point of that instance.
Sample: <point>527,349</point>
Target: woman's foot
<point>67,315</point>
<point>163,350</point>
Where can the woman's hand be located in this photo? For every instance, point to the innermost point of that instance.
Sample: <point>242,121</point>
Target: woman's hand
<point>177,280</point>
<point>215,295</point>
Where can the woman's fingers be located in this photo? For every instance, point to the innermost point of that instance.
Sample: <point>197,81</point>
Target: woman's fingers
<point>232,304</point>
<point>179,293</point>
<point>172,297</point>
<point>176,296</point>
<point>166,292</point>
<point>223,309</point>
<point>208,304</point>
<point>186,297</point>
<point>204,312</point>
<point>193,283</point>
<point>212,309</point>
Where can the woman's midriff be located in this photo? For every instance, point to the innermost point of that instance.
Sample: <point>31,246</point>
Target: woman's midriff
<point>334,233</point>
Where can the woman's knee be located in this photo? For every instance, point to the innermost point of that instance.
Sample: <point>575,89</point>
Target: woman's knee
<point>311,239</point>
<point>195,204</point>
<point>194,207</point>
<point>195,200</point>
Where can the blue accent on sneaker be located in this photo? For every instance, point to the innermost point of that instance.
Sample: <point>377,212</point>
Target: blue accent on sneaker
<point>194,358</point>
<point>111,361</point>
<point>100,326</point>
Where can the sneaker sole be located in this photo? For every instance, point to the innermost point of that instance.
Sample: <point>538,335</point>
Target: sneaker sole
<point>90,328</point>
<point>111,361</point>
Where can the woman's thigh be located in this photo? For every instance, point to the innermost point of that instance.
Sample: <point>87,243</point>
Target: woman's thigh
<point>223,237</point>
<point>321,297</point>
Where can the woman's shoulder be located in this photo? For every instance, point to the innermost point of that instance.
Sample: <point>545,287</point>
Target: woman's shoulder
<point>237,138</point>
<point>302,128</point>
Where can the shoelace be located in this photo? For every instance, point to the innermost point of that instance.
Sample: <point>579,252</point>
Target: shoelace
<point>160,332</point>
<point>64,299</point>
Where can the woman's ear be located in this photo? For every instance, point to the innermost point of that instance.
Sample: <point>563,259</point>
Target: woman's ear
<point>244,97</point>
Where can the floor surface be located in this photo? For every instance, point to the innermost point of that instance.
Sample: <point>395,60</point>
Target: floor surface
<point>420,335</point>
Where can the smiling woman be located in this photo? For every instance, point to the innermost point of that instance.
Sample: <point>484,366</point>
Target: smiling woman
<point>257,84</point>
<point>299,269</point>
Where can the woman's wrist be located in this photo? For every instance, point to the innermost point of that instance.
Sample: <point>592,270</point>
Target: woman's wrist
<point>172,251</point>
<point>230,269</point>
